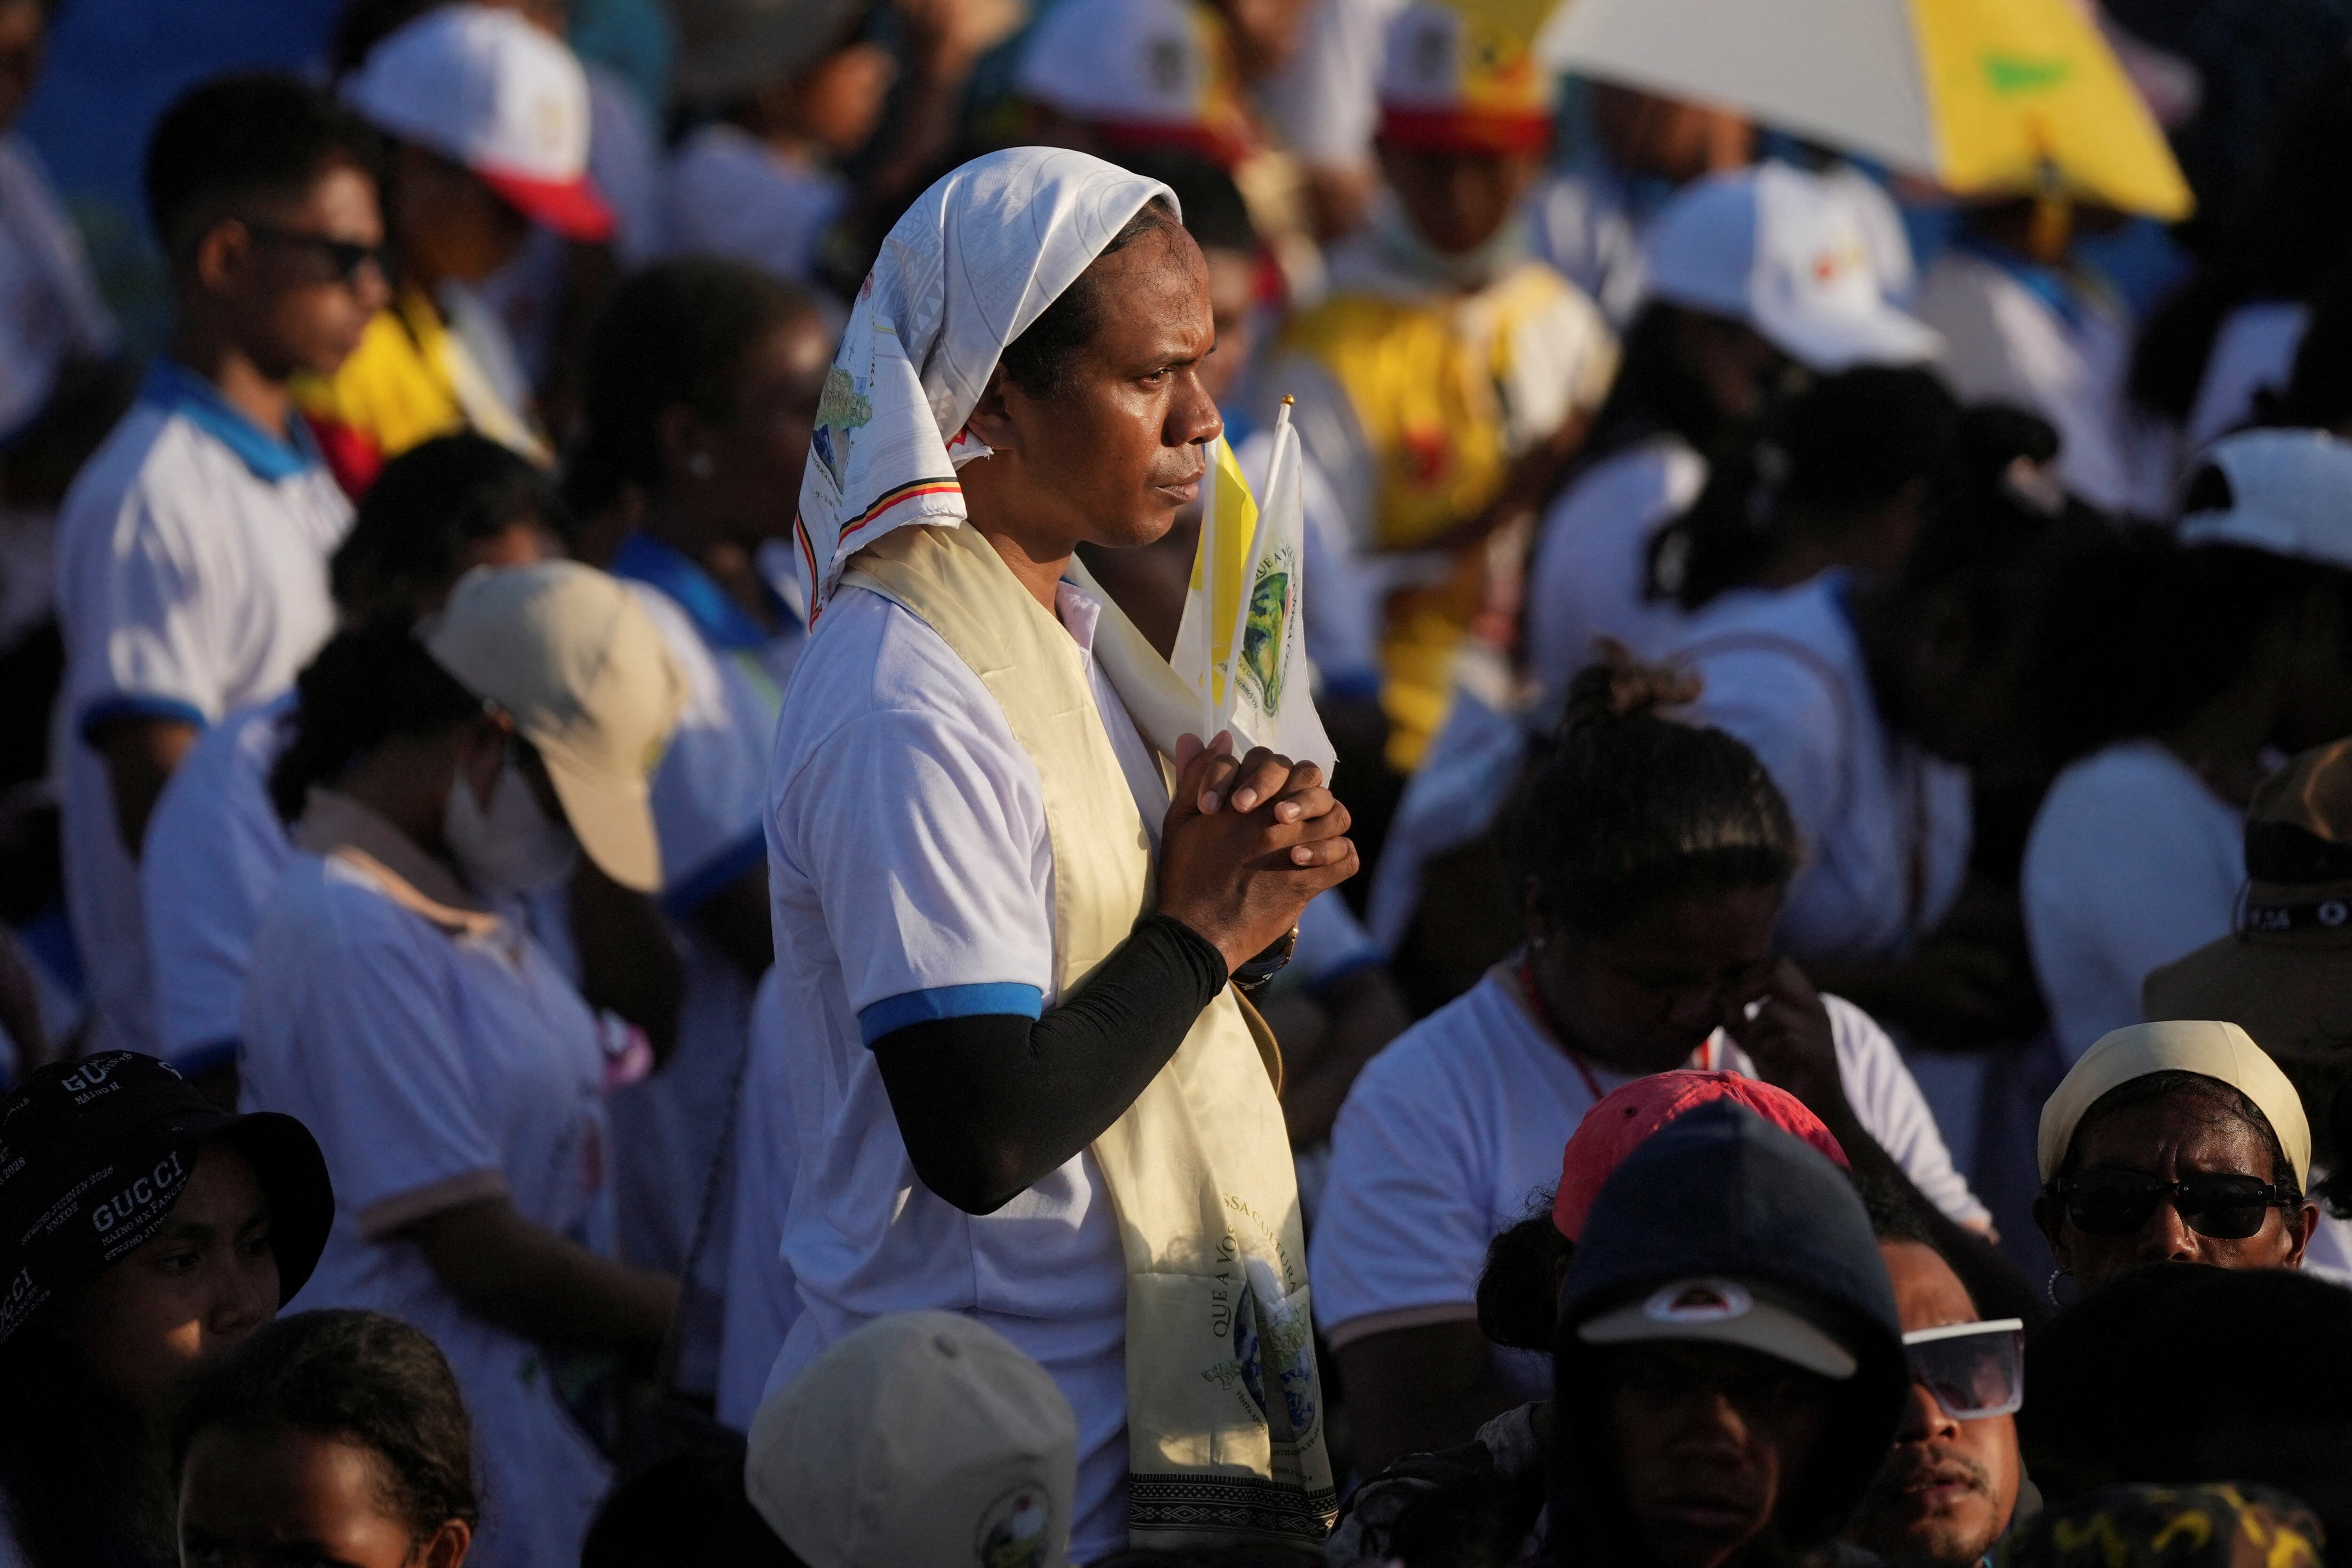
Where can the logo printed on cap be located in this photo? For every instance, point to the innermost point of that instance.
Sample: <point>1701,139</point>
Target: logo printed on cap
<point>1016,1529</point>
<point>1698,1301</point>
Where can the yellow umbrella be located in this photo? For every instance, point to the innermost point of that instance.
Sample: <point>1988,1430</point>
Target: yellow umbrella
<point>1983,96</point>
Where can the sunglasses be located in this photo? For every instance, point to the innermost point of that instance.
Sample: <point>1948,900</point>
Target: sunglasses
<point>2121,1202</point>
<point>1973,1370</point>
<point>344,257</point>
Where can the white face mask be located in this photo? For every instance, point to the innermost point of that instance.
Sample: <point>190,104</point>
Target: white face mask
<point>512,848</point>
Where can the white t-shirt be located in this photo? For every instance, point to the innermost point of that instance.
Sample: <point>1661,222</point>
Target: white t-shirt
<point>49,308</point>
<point>2131,864</point>
<point>1886,826</point>
<point>191,580</point>
<point>733,195</point>
<point>440,1059</point>
<point>2253,350</point>
<point>762,1297</point>
<point>2004,343</point>
<point>215,851</point>
<point>710,797</point>
<point>911,879</point>
<point>1454,1132</point>
<point>1592,569</point>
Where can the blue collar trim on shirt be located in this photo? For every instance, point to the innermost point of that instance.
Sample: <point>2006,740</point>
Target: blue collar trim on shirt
<point>198,400</point>
<point>2047,284</point>
<point>642,558</point>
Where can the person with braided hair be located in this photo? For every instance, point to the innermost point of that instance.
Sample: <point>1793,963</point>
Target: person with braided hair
<point>1651,858</point>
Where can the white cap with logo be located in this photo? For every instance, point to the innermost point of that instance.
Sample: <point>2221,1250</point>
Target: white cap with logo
<point>1777,249</point>
<point>923,1437</point>
<point>2289,492</point>
<point>480,85</point>
<point>1726,1312</point>
<point>573,660</point>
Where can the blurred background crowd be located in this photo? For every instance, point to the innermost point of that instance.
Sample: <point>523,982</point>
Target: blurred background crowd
<point>1829,546</point>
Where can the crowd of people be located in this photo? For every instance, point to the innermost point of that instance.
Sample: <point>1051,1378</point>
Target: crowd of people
<point>623,944</point>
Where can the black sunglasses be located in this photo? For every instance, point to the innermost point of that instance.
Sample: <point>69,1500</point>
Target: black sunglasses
<point>2120,1203</point>
<point>344,257</point>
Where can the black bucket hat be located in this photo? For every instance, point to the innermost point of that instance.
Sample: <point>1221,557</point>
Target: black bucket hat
<point>94,1154</point>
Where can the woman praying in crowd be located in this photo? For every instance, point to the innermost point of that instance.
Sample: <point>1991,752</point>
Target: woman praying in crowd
<point>968,814</point>
<point>398,1001</point>
<point>332,1437</point>
<point>145,1231</point>
<point>2176,1142</point>
<point>2183,667</point>
<point>1654,857</point>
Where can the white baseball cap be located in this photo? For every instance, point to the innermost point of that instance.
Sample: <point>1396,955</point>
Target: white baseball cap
<point>2288,492</point>
<point>573,660</point>
<point>1723,1312</point>
<point>1139,71</point>
<point>485,88</point>
<point>1777,249</point>
<point>922,1438</point>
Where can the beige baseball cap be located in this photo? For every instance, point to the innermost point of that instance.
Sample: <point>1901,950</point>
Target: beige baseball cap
<point>571,657</point>
<point>923,1437</point>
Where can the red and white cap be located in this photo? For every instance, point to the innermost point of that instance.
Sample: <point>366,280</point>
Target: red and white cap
<point>489,90</point>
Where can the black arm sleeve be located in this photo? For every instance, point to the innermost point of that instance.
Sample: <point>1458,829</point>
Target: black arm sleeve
<point>990,1104</point>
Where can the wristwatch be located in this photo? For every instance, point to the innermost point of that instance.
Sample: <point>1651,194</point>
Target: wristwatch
<point>1253,974</point>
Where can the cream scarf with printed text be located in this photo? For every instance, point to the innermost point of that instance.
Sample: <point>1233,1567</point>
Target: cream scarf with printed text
<point>1224,1407</point>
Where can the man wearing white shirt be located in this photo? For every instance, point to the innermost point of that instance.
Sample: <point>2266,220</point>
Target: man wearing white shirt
<point>191,554</point>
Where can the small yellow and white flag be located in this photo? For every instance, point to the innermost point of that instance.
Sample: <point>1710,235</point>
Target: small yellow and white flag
<point>1242,646</point>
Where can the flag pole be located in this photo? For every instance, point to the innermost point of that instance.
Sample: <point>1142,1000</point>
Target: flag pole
<point>1207,555</point>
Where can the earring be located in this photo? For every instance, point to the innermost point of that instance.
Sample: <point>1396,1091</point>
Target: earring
<point>699,465</point>
<point>2050,1287</point>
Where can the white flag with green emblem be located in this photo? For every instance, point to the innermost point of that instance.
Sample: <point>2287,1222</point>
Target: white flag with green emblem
<point>1242,646</point>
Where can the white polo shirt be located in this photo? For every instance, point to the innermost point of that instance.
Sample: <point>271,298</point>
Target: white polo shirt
<point>191,580</point>
<point>1886,826</point>
<point>709,798</point>
<point>911,879</point>
<point>1591,570</point>
<point>762,1298</point>
<point>1454,1132</point>
<point>732,195</point>
<point>440,1059</point>
<point>215,851</point>
<point>2131,863</point>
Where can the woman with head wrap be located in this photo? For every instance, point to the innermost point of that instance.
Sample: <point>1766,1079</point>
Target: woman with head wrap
<point>965,810</point>
<point>2174,1143</point>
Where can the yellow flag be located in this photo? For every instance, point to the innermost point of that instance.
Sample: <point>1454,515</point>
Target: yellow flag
<point>1221,565</point>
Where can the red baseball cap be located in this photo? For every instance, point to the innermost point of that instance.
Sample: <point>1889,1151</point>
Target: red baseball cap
<point>1619,1121</point>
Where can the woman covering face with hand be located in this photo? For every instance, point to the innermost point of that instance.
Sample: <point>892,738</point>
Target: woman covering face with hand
<point>145,1229</point>
<point>2174,1143</point>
